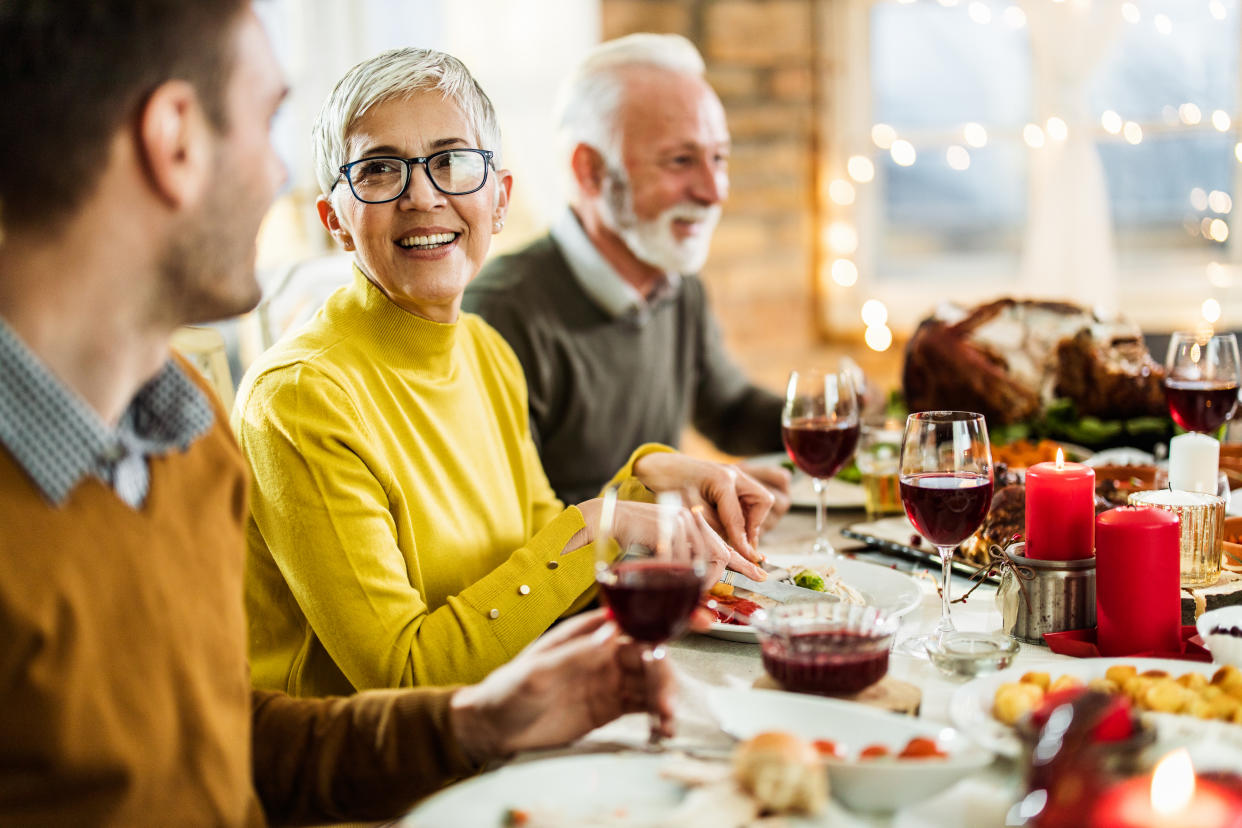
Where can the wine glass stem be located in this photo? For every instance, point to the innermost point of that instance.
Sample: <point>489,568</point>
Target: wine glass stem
<point>822,544</point>
<point>652,655</point>
<point>946,569</point>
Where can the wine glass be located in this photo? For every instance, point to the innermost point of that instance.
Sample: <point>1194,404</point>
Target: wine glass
<point>819,425</point>
<point>946,489</point>
<point>650,592</point>
<point>1201,380</point>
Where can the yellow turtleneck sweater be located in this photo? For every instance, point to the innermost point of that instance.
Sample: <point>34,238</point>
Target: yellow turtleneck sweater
<point>402,529</point>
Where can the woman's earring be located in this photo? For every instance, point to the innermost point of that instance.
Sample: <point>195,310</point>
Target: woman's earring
<point>498,226</point>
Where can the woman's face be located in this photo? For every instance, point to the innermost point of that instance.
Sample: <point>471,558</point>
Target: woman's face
<point>393,242</point>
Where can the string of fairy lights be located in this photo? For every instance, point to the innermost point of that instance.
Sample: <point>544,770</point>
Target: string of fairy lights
<point>1213,208</point>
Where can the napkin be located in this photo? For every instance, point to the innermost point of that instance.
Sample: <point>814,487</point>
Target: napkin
<point>1082,644</point>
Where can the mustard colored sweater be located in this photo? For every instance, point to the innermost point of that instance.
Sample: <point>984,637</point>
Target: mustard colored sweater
<point>402,529</point>
<point>124,694</point>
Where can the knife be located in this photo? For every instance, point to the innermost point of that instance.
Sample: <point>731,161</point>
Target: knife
<point>776,590</point>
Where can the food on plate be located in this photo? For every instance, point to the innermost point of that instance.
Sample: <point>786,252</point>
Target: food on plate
<point>782,772</point>
<point>825,579</point>
<point>1016,361</point>
<point>1022,454</point>
<point>921,747</point>
<point>1114,484</point>
<point>733,605</point>
<point>731,609</point>
<point>1042,680</point>
<point>1016,699</point>
<point>1191,693</point>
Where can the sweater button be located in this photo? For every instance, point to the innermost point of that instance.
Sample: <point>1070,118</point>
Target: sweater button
<point>494,614</point>
<point>523,590</point>
<point>553,564</point>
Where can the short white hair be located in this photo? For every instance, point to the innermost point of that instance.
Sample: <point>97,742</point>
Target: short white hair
<point>590,99</point>
<point>394,75</point>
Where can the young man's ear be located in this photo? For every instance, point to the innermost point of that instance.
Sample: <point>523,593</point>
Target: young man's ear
<point>332,223</point>
<point>174,143</point>
<point>589,168</point>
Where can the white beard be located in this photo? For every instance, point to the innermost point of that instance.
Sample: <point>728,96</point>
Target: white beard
<point>653,241</point>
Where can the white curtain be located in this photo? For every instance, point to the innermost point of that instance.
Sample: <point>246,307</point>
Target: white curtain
<point>1068,249</point>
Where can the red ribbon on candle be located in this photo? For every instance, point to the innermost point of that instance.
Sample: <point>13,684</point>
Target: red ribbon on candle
<point>1060,511</point>
<point>1138,606</point>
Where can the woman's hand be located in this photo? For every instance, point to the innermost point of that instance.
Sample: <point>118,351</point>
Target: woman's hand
<point>776,479</point>
<point>734,503</point>
<point>639,523</point>
<point>580,675</point>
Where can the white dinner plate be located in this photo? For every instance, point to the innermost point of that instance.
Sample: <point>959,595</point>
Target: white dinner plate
<point>888,589</point>
<point>581,791</point>
<point>839,494</point>
<point>971,706</point>
<point>863,785</point>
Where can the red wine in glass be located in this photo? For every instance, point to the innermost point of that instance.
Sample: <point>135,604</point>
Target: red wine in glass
<point>946,507</point>
<point>652,600</point>
<point>819,446</point>
<point>1201,405</point>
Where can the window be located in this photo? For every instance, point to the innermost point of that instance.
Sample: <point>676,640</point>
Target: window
<point>1064,148</point>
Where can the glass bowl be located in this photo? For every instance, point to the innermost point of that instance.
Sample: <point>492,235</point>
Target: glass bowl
<point>825,648</point>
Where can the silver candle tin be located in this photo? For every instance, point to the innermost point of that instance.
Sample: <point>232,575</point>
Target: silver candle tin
<point>1060,596</point>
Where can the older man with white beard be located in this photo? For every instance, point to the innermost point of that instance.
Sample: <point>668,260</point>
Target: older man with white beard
<point>605,312</point>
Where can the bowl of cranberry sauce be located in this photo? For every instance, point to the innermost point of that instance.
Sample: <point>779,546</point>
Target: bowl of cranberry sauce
<point>825,648</point>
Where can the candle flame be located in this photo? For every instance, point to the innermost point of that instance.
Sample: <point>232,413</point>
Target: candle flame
<point>1060,459</point>
<point>1172,783</point>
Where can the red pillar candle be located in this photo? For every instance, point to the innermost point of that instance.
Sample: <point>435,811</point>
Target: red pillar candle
<point>1171,797</point>
<point>1138,604</point>
<point>1060,510</point>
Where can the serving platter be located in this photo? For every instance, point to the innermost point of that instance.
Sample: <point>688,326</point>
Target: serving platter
<point>613,790</point>
<point>839,494</point>
<point>888,589</point>
<point>970,709</point>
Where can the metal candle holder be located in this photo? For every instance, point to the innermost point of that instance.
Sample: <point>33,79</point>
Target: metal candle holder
<point>1053,596</point>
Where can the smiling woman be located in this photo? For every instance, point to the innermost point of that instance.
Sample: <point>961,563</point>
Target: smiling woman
<point>403,530</point>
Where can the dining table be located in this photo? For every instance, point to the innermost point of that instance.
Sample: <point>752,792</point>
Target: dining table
<point>981,798</point>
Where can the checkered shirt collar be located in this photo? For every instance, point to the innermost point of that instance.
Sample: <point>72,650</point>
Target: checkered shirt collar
<point>58,440</point>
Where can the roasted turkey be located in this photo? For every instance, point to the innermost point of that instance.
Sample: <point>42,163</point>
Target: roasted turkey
<point>1009,358</point>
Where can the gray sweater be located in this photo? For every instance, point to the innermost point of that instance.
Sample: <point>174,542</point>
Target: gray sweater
<point>601,385</point>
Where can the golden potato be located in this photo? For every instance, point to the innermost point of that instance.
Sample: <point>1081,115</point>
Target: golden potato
<point>1192,681</point>
<point>1136,686</point>
<point>1224,707</point>
<point>1039,679</point>
<point>1227,677</point>
<point>1166,696</point>
<point>1064,683</point>
<point>1118,673</point>
<point>1014,700</point>
<point>1104,685</point>
<point>1156,674</point>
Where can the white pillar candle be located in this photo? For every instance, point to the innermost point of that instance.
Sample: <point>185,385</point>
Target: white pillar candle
<point>1193,463</point>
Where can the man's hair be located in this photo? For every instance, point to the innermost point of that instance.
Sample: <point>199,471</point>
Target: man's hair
<point>395,75</point>
<point>73,72</point>
<point>591,98</point>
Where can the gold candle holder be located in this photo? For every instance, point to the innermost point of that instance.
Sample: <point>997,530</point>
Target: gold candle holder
<point>1202,532</point>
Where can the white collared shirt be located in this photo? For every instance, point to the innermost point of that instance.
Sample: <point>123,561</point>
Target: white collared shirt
<point>600,280</point>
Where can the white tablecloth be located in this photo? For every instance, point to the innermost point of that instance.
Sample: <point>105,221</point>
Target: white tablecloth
<point>978,801</point>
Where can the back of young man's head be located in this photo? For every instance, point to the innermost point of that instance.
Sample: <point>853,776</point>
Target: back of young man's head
<point>74,72</point>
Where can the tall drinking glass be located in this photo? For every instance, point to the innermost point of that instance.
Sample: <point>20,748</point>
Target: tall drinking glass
<point>1201,380</point>
<point>651,593</point>
<point>946,489</point>
<point>819,426</point>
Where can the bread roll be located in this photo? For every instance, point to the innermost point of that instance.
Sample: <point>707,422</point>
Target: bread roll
<point>783,773</point>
